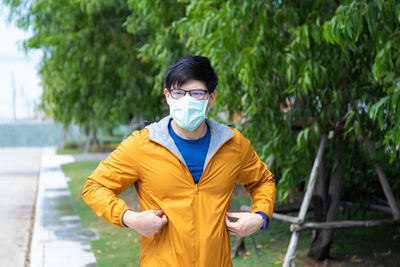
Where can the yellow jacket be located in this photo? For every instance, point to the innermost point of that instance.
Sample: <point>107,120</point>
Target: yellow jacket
<point>195,234</point>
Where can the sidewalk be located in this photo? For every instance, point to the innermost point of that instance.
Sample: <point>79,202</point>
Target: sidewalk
<point>58,237</point>
<point>19,171</point>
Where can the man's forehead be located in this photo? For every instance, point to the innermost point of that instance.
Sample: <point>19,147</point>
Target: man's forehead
<point>191,85</point>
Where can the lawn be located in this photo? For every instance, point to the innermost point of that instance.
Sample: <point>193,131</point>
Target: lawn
<point>352,247</point>
<point>69,151</point>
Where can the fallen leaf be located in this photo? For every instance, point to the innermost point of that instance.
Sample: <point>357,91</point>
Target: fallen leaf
<point>385,253</point>
<point>355,259</point>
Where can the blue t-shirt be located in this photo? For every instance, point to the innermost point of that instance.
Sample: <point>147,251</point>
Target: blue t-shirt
<point>194,152</point>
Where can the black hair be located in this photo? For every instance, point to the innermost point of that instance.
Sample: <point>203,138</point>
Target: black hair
<point>191,68</point>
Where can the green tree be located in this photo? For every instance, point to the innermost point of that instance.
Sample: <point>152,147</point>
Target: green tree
<point>91,74</point>
<point>296,70</point>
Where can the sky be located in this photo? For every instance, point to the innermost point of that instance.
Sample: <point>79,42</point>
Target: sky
<point>20,67</point>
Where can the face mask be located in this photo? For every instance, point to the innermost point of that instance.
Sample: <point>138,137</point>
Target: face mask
<point>187,111</point>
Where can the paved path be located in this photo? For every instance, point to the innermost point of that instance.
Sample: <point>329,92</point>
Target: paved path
<point>92,156</point>
<point>19,169</point>
<point>58,237</point>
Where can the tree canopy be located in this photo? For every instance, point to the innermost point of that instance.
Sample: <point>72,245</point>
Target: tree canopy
<point>91,74</point>
<point>293,69</point>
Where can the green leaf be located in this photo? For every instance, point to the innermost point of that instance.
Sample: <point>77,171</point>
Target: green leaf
<point>376,108</point>
<point>398,12</point>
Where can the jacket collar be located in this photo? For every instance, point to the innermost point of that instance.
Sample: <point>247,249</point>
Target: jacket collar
<point>158,132</point>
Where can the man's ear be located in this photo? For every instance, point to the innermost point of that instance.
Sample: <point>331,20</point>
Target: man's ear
<point>166,93</point>
<point>211,100</point>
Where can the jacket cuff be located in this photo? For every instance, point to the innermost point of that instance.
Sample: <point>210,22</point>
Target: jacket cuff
<point>266,219</point>
<point>122,221</point>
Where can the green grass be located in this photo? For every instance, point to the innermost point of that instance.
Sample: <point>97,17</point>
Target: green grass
<point>69,151</point>
<point>93,149</point>
<point>352,247</point>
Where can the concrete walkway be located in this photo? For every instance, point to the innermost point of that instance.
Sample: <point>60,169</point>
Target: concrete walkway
<point>19,170</point>
<point>39,226</point>
<point>58,237</point>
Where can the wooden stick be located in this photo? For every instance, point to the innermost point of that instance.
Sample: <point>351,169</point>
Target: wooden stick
<point>306,200</point>
<point>382,179</point>
<point>239,245</point>
<point>342,224</point>
<point>313,178</point>
<point>275,215</point>
<point>286,209</point>
<point>285,218</point>
<point>289,257</point>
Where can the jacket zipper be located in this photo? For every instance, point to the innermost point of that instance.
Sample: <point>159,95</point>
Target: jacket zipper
<point>196,206</point>
<point>197,235</point>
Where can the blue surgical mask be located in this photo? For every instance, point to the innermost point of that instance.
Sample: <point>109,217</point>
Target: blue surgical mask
<point>187,111</point>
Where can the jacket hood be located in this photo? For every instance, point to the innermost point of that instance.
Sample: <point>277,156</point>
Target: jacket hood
<point>158,132</point>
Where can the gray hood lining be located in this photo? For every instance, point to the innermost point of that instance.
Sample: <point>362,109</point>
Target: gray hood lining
<point>158,132</point>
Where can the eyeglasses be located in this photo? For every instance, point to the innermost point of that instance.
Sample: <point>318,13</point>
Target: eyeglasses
<point>196,93</point>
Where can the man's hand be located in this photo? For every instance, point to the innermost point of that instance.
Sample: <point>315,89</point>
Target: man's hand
<point>147,223</point>
<point>246,224</point>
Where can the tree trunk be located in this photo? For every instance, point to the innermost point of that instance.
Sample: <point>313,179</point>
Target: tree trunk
<point>63,137</point>
<point>132,123</point>
<point>319,198</point>
<point>89,139</point>
<point>80,138</point>
<point>323,238</point>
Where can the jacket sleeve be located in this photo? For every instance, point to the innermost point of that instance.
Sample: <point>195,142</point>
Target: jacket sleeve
<point>111,177</point>
<point>258,181</point>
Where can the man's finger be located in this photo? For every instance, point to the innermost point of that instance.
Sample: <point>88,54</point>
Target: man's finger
<point>233,232</point>
<point>234,214</point>
<point>164,219</point>
<point>158,212</point>
<point>228,222</point>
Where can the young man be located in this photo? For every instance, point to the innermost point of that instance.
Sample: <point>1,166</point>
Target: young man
<point>184,169</point>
